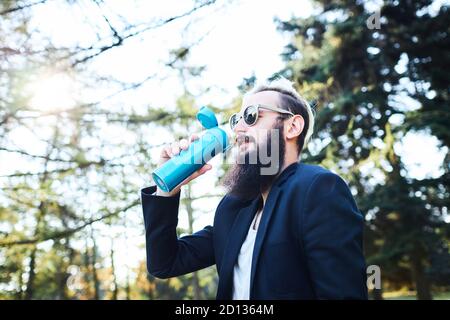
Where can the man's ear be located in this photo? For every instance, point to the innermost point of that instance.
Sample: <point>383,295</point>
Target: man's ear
<point>294,127</point>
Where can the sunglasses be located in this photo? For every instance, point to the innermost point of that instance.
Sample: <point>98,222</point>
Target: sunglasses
<point>250,114</point>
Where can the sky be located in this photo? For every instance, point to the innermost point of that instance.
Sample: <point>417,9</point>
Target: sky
<point>239,41</point>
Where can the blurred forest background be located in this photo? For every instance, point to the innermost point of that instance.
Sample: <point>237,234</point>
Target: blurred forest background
<point>78,140</point>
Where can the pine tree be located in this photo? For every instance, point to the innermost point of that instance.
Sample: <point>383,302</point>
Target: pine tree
<point>365,83</point>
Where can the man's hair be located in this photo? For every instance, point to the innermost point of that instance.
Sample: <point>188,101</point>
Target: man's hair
<point>291,100</point>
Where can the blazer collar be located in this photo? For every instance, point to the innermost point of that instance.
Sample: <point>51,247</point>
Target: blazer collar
<point>286,173</point>
<point>240,229</point>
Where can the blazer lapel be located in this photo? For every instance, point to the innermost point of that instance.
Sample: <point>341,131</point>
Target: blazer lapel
<point>268,211</point>
<point>236,237</point>
<point>262,230</point>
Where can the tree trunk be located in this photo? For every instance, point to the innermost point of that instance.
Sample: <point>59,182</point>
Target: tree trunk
<point>94,268</point>
<point>64,266</point>
<point>419,277</point>
<point>377,294</point>
<point>190,212</point>
<point>40,222</point>
<point>19,293</point>
<point>87,266</point>
<point>127,286</point>
<point>113,272</point>
<point>31,275</point>
<point>151,287</point>
<point>63,275</point>
<point>32,265</point>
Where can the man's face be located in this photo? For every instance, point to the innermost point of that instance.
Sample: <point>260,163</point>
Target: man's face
<point>257,133</point>
<point>260,157</point>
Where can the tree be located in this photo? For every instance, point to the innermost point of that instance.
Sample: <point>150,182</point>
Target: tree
<point>371,88</point>
<point>73,168</point>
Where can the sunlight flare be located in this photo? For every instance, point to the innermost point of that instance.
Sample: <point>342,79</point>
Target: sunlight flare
<point>53,92</point>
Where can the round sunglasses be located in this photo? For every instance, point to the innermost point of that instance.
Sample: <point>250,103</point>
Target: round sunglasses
<point>250,114</point>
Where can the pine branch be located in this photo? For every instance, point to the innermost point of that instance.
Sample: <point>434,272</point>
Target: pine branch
<point>82,165</point>
<point>65,233</point>
<point>18,8</point>
<point>120,39</point>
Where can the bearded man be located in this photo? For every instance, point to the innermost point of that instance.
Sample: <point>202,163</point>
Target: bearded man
<point>284,230</point>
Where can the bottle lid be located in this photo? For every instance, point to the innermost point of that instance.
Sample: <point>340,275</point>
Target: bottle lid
<point>207,118</point>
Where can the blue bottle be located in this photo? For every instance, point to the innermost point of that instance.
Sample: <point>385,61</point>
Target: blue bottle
<point>181,166</point>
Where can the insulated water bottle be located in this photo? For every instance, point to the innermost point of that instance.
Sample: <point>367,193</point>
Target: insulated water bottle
<point>178,168</point>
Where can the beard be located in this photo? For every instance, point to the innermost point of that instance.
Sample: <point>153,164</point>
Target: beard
<point>247,180</point>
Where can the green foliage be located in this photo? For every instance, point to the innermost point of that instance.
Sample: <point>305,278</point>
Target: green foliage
<point>84,167</point>
<point>354,74</point>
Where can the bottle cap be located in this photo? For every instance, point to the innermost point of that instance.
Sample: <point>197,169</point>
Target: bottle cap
<point>207,118</point>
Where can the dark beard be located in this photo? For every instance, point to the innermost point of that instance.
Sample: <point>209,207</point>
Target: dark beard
<point>244,180</point>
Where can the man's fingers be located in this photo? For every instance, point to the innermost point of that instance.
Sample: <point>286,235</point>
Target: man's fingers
<point>167,153</point>
<point>193,137</point>
<point>184,144</point>
<point>175,148</point>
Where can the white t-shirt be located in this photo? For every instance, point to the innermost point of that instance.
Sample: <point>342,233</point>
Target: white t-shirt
<point>243,266</point>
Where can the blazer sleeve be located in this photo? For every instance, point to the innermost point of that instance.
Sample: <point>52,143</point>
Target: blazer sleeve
<point>333,235</point>
<point>168,256</point>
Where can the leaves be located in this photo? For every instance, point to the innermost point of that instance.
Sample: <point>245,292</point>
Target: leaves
<point>353,73</point>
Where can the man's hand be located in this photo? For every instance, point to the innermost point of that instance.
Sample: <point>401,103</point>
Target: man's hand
<point>172,150</point>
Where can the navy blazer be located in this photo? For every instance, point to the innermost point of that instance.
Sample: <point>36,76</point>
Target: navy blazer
<point>308,244</point>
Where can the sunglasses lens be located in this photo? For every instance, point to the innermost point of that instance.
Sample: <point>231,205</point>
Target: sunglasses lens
<point>250,115</point>
<point>233,121</point>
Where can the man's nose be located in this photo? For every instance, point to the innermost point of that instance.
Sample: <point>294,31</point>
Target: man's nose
<point>240,126</point>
